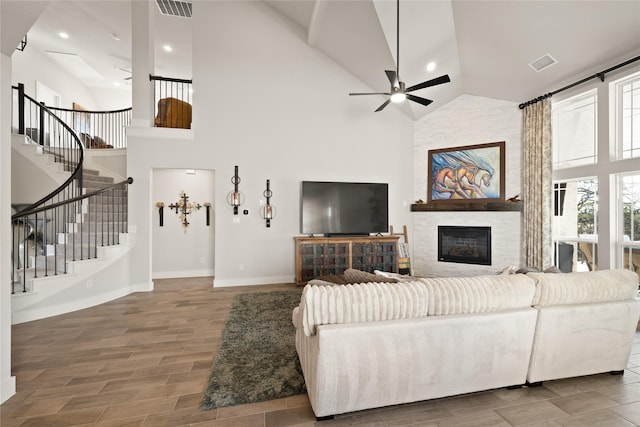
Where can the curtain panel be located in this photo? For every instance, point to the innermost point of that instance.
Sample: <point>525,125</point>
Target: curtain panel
<point>537,185</point>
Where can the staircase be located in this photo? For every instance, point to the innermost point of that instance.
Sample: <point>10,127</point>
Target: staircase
<point>69,247</point>
<point>89,227</point>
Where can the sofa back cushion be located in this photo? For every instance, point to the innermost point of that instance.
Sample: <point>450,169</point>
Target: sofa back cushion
<point>364,302</point>
<point>478,294</point>
<point>584,287</point>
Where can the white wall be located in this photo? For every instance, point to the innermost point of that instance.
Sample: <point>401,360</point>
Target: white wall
<point>180,251</point>
<point>30,66</point>
<point>29,182</point>
<point>7,382</point>
<point>467,120</point>
<point>280,110</point>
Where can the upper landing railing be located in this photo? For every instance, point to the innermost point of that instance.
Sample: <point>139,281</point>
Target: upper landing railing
<point>172,100</point>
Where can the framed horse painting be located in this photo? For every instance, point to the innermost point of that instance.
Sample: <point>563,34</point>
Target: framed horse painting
<point>473,173</point>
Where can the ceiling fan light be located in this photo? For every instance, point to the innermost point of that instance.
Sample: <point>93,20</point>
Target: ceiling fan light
<point>398,97</point>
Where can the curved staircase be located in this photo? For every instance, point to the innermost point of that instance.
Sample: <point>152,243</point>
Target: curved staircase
<point>66,245</point>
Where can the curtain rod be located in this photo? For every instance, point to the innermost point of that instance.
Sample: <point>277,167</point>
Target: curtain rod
<point>599,75</point>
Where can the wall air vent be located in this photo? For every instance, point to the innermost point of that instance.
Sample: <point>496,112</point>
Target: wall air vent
<point>175,8</point>
<point>545,61</point>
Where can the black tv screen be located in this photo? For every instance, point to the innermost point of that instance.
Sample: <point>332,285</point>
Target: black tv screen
<point>344,208</point>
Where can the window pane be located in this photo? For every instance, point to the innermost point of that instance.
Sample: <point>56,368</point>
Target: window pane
<point>575,231</point>
<point>631,207</point>
<point>630,240</point>
<point>628,116</point>
<point>575,130</point>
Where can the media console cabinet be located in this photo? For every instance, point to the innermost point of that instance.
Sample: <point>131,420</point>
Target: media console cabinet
<point>319,256</point>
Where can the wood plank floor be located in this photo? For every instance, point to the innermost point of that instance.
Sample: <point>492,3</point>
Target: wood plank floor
<point>143,360</point>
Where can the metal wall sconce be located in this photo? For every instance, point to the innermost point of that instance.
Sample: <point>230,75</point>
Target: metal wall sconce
<point>160,207</point>
<point>235,198</point>
<point>268,211</point>
<point>207,206</point>
<point>183,208</point>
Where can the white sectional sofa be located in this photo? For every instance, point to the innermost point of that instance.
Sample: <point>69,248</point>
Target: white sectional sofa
<point>586,323</point>
<point>377,344</point>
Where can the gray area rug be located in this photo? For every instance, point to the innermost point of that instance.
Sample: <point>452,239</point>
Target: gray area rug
<point>256,359</point>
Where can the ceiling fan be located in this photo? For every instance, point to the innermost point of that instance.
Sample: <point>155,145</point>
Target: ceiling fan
<point>399,92</point>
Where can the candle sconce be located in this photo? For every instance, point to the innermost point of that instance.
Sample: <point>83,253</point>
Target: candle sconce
<point>235,198</point>
<point>160,206</point>
<point>207,206</point>
<point>268,211</point>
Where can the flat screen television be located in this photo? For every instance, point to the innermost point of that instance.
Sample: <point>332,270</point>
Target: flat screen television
<point>344,208</point>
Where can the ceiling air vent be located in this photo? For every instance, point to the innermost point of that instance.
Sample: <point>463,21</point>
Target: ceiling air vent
<point>175,8</point>
<point>545,61</point>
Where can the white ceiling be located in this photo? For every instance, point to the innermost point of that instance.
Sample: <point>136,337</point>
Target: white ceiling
<point>484,46</point>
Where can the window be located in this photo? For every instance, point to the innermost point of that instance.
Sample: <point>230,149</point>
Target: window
<point>629,214</point>
<point>575,130</point>
<point>583,180</point>
<point>575,225</point>
<point>627,111</point>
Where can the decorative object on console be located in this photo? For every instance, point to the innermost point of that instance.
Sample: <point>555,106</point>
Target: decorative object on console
<point>160,206</point>
<point>235,198</point>
<point>473,173</point>
<point>183,208</point>
<point>268,211</point>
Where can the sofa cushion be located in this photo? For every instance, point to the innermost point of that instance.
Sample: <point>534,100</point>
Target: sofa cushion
<point>364,302</point>
<point>478,294</point>
<point>352,275</point>
<point>584,287</point>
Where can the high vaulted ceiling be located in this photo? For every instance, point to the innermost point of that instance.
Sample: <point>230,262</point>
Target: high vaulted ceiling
<point>484,46</point>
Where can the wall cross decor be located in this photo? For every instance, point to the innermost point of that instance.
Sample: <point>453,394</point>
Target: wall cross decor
<point>183,208</point>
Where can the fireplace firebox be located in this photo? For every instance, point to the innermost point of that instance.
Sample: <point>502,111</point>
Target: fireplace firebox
<point>467,245</point>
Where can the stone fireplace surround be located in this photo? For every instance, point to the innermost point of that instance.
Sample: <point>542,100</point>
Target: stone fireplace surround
<point>467,120</point>
<point>505,246</point>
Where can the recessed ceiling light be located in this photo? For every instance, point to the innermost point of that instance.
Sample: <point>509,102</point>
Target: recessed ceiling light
<point>167,48</point>
<point>63,35</point>
<point>116,83</point>
<point>431,66</point>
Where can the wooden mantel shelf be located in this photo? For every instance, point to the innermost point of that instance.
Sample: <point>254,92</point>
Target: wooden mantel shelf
<point>467,206</point>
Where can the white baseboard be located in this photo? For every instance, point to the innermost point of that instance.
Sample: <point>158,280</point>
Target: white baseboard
<point>183,273</point>
<point>7,388</point>
<point>250,281</point>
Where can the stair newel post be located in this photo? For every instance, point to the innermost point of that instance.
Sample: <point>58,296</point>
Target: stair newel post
<point>21,108</point>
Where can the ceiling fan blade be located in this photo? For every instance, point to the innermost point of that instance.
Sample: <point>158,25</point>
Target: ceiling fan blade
<point>370,93</point>
<point>428,83</point>
<point>423,101</point>
<point>393,77</point>
<point>380,108</point>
